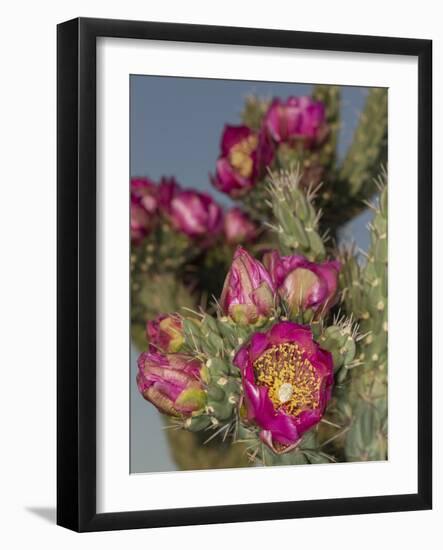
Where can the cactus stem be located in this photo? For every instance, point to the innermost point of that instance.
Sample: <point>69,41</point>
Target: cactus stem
<point>334,437</point>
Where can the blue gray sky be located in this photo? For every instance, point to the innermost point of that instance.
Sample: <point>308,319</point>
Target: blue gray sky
<point>176,123</point>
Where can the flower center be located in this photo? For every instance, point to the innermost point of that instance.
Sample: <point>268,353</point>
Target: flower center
<point>293,383</point>
<point>240,156</point>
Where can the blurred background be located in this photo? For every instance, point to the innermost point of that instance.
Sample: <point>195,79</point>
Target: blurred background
<point>175,130</point>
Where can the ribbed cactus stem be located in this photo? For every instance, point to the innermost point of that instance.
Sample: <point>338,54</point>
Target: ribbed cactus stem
<point>295,219</point>
<point>367,298</point>
<point>330,96</point>
<point>368,150</point>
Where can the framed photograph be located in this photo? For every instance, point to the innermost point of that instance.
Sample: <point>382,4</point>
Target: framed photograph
<point>244,274</point>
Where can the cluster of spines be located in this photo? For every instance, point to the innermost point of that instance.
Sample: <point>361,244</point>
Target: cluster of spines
<point>213,341</point>
<point>296,221</point>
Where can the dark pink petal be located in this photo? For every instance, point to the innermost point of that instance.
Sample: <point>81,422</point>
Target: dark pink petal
<point>272,121</point>
<point>144,193</point>
<point>238,227</point>
<point>286,331</point>
<point>325,364</point>
<point>241,358</point>
<point>167,190</point>
<point>265,152</point>
<point>306,419</point>
<point>227,180</point>
<point>290,263</point>
<point>233,135</point>
<point>258,343</point>
<point>317,292</point>
<point>248,285</point>
<point>262,411</point>
<point>329,272</point>
<point>171,382</point>
<point>305,288</point>
<point>297,117</point>
<point>195,214</point>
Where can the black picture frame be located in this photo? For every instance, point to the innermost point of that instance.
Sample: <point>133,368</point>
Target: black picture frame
<point>76,280</point>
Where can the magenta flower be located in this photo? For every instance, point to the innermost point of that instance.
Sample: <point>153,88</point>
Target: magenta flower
<point>171,382</point>
<point>238,227</point>
<point>287,381</point>
<point>144,192</point>
<point>165,333</point>
<point>244,154</point>
<point>167,189</point>
<point>248,295</point>
<point>196,214</point>
<point>296,118</point>
<point>304,284</point>
<point>143,207</point>
<point>140,222</point>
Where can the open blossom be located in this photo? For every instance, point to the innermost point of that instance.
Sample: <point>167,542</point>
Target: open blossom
<point>304,284</point>
<point>244,154</point>
<point>295,118</point>
<point>238,227</point>
<point>248,294</point>
<point>171,382</point>
<point>196,214</point>
<point>287,380</point>
<point>165,333</point>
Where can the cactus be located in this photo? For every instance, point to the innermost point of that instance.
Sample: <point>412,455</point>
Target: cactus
<point>169,271</point>
<point>330,96</point>
<point>368,150</point>
<point>154,293</point>
<point>192,451</point>
<point>296,221</point>
<point>367,298</point>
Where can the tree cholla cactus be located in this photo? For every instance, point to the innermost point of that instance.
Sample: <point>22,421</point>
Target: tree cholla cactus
<point>289,364</point>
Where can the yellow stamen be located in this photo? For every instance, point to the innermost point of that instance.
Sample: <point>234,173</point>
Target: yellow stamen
<point>293,383</point>
<point>240,156</point>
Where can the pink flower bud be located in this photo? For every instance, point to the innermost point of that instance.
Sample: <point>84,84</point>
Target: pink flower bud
<point>172,383</point>
<point>196,214</point>
<point>165,333</point>
<point>248,294</point>
<point>296,118</point>
<point>304,284</point>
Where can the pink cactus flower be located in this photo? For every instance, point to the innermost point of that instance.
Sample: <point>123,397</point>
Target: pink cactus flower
<point>248,295</point>
<point>196,214</point>
<point>165,333</point>
<point>244,155</point>
<point>304,284</point>
<point>143,207</point>
<point>287,380</point>
<point>296,118</point>
<point>172,383</point>
<point>238,227</point>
